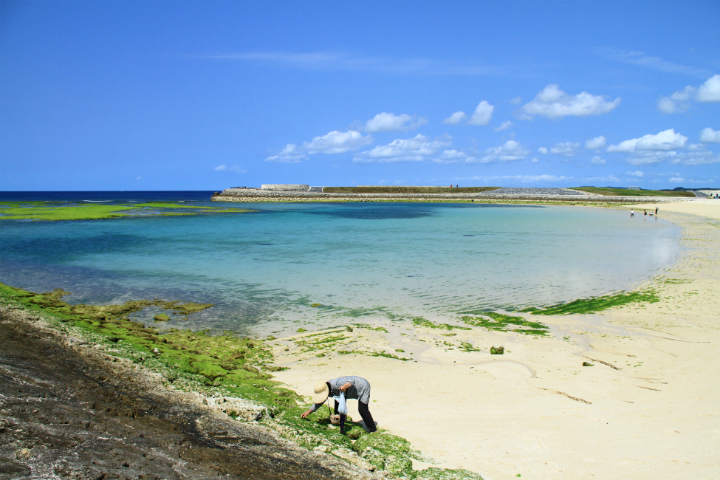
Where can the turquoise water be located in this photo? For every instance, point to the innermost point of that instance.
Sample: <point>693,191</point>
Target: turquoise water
<point>360,261</point>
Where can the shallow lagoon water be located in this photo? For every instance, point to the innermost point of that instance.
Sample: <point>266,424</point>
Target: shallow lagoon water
<point>355,262</point>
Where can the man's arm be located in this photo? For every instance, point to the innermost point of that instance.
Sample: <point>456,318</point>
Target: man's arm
<point>311,410</point>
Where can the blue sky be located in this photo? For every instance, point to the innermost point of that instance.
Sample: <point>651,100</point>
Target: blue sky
<point>162,95</point>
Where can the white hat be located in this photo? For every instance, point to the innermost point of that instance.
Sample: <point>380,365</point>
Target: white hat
<point>321,392</point>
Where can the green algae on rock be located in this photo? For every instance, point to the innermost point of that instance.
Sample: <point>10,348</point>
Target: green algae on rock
<point>225,365</point>
<point>161,317</point>
<point>422,322</point>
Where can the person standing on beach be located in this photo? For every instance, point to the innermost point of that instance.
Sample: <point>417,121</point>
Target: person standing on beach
<point>656,209</point>
<point>632,213</point>
<point>353,388</point>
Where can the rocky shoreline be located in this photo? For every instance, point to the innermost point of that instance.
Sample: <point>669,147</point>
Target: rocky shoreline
<point>70,410</point>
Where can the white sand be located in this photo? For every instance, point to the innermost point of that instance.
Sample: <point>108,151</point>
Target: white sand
<point>536,411</point>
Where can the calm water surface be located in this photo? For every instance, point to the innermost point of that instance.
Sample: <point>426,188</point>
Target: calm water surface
<point>359,262</point>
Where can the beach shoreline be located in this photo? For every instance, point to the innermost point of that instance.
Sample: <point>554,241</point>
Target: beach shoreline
<point>503,416</point>
<point>646,408</point>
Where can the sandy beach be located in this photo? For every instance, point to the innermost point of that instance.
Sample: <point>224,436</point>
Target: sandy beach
<point>647,408</point>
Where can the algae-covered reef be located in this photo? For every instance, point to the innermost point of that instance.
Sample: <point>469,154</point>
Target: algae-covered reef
<point>55,211</point>
<point>596,304</point>
<point>227,367</point>
<point>503,323</point>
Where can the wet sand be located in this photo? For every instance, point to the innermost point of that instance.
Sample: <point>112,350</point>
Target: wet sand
<point>647,408</point>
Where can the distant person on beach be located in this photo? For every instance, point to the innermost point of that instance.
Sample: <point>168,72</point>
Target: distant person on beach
<point>632,213</point>
<point>656,209</point>
<point>645,212</point>
<point>354,388</point>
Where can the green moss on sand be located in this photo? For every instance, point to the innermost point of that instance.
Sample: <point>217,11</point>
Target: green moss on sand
<point>596,304</point>
<point>504,323</point>
<point>161,317</point>
<point>46,211</point>
<point>422,322</point>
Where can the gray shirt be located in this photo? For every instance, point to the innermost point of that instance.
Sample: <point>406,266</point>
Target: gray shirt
<point>359,389</point>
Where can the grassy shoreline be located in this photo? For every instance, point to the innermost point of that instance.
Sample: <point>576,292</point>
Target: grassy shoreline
<point>221,365</point>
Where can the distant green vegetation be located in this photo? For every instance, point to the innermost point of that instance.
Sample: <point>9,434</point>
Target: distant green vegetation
<point>55,211</point>
<point>407,189</point>
<point>596,304</point>
<point>504,323</point>
<point>622,192</point>
<point>224,365</point>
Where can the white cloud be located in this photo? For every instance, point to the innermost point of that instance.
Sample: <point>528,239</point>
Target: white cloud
<point>452,156</point>
<point>225,168</point>
<point>709,135</point>
<point>516,101</point>
<point>509,151</point>
<point>289,154</point>
<point>504,126</point>
<point>677,180</point>
<point>552,102</point>
<point>413,149</point>
<point>595,143</point>
<point>696,158</point>
<point>543,150</point>
<point>482,115</point>
<point>637,174</point>
<point>678,102</point>
<point>337,142</point>
<point>389,122</point>
<point>455,118</point>
<point>666,140</point>
<point>597,160</point>
<point>535,160</point>
<point>566,149</point>
<point>655,63</point>
<point>710,90</point>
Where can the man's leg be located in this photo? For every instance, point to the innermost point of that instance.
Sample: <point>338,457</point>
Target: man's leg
<point>366,416</point>
<point>342,419</point>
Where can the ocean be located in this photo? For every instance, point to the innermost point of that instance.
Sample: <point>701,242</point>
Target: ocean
<point>311,265</point>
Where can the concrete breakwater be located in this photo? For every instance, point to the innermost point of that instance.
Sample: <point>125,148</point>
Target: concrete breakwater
<point>305,193</point>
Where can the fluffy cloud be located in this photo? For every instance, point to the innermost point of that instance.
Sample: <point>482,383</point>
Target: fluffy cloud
<point>566,149</point>
<point>482,115</point>
<point>595,143</point>
<point>677,180</point>
<point>414,149</point>
<point>535,160</point>
<point>289,154</point>
<point>552,102</point>
<point>225,168</point>
<point>709,135</point>
<point>333,142</point>
<point>636,174</point>
<point>597,160</point>
<point>337,142</point>
<point>455,118</point>
<point>453,156</point>
<point>504,126</point>
<point>710,90</point>
<point>666,140</point>
<point>509,151</point>
<point>543,150</point>
<point>678,102</point>
<point>389,122</point>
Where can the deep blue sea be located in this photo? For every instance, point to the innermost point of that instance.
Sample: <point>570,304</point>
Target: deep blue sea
<point>356,262</point>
